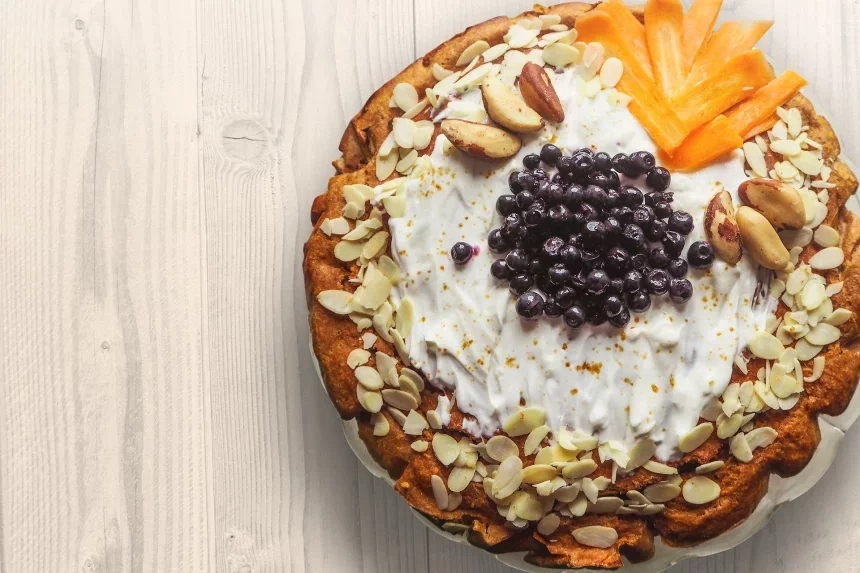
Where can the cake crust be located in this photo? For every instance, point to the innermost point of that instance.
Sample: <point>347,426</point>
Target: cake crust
<point>680,524</point>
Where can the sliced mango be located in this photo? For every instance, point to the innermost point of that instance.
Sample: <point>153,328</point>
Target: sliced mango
<point>705,145</point>
<point>632,29</point>
<point>731,39</point>
<point>649,105</point>
<point>754,114</point>
<point>698,25</point>
<point>735,81</point>
<point>664,29</point>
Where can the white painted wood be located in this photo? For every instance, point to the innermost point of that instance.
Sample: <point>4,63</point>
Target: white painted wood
<point>158,407</point>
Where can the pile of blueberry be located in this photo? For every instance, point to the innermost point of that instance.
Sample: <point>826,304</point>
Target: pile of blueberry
<point>596,250</point>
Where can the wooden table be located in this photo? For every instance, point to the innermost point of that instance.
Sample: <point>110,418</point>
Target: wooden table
<point>158,407</point>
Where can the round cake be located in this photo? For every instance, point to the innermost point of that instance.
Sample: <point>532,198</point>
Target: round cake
<point>584,280</point>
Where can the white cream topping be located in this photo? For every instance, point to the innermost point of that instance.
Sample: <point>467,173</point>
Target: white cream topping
<point>649,381</point>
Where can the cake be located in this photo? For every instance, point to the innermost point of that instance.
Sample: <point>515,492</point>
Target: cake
<point>585,278</point>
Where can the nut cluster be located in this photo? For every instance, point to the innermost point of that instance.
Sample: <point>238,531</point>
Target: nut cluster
<point>581,245</point>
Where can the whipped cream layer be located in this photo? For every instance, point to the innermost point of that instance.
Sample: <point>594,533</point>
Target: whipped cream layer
<point>650,380</point>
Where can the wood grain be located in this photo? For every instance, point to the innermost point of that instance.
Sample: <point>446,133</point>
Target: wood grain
<point>159,410</point>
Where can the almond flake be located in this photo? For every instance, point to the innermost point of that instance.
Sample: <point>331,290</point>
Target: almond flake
<point>765,346</point>
<point>446,448</point>
<point>337,301</point>
<point>373,247</point>
<point>406,163</point>
<point>579,469</point>
<point>785,170</point>
<point>780,130</point>
<point>797,280</point>
<point>761,438</point>
<point>440,73</point>
<point>538,473</point>
<point>605,505</point>
<point>534,439</point>
<point>592,88</point>
<point>549,524</point>
<point>524,421</point>
<point>501,448</point>
<point>834,288</point>
<point>440,492</point>
<point>813,295</point>
<point>508,477</point>
<point>415,423</point>
<point>369,377</point>
<point>659,468</point>
<point>380,425</point>
<point>817,370</point>
<point>520,37</point>
<point>839,317</point>
<point>794,122</point>
<point>755,157</point>
<point>405,316</point>
<point>823,334</point>
<point>826,236</point>
<point>662,492</point>
<point>799,238</point>
<point>596,536</point>
<point>495,52</point>
<point>473,51</point>
<point>559,55</point>
<point>807,163</point>
<point>419,446</point>
<point>357,358</point>
<point>709,468</point>
<point>829,258</point>
<point>362,230</point>
<point>404,131</point>
<point>730,426</point>
<point>370,401</point>
<point>460,478</point>
<point>416,109</point>
<point>385,165</point>
<point>700,490</point>
<point>399,399</point>
<point>611,72</point>
<point>786,147</point>
<point>741,449</point>
<point>405,96</point>
<point>641,452</point>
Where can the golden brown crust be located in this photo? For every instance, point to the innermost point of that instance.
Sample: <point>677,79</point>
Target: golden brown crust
<point>681,524</point>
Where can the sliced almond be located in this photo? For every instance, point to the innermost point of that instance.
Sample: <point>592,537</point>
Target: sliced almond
<point>766,346</point>
<point>480,141</point>
<point>538,473</point>
<point>826,259</point>
<point>399,399</point>
<point>381,426</point>
<point>507,109</point>
<point>539,93</point>
<point>560,55</point>
<point>534,439</point>
<point>549,524</point>
<point>659,468</point>
<point>662,492</point>
<point>596,536</point>
<point>524,421</point>
<point>700,490</point>
<point>501,448</point>
<point>405,96</point>
<point>709,467</point>
<point>336,301</point>
<point>473,51</point>
<point>440,492</point>
<point>826,236</point>
<point>741,449</point>
<point>611,72</point>
<point>755,157</point>
<point>761,438</point>
<point>761,240</point>
<point>460,478</point>
<point>780,203</point>
<point>446,448</point>
<point>508,478</point>
<point>823,334</point>
<point>641,452</point>
<point>579,469</point>
<point>415,424</point>
<point>357,357</point>
<point>722,228</point>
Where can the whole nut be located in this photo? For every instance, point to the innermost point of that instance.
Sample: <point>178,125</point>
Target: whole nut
<point>480,141</point>
<point>761,240</point>
<point>722,228</point>
<point>539,93</point>
<point>780,203</point>
<point>507,109</point>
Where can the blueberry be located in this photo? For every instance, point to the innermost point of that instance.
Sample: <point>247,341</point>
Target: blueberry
<point>621,319</point>
<point>551,249</point>
<point>533,239</point>
<point>594,234</point>
<point>551,308</point>
<point>506,204</point>
<point>642,162</point>
<point>640,261</point>
<point>560,214</point>
<point>633,282</point>
<point>600,179</point>
<point>614,228</point>
<point>678,268</point>
<point>673,243</point>
<point>591,259</point>
<point>531,161</point>
<point>602,161</point>
<point>613,181</point>
<point>574,317</point>
<point>530,305</point>
<point>589,212</point>
<point>582,163</point>
<point>518,260</point>
<point>550,154</point>
<point>565,297</point>
<point>539,175</point>
<point>633,238</point>
<point>557,178</point>
<point>526,181</point>
<point>570,256</point>
<point>680,290</point>
<point>623,214</point>
<point>595,196</point>
<point>616,286</point>
<point>573,196</point>
<point>612,305</point>
<point>612,199</point>
<point>596,316</point>
<point>533,217</point>
<point>658,179</point>
<point>657,229</point>
<point>681,222</point>
<point>658,259</point>
<point>499,269</point>
<point>639,302</point>
<point>559,275</point>
<point>554,193</point>
<point>662,210</point>
<point>521,283</point>
<point>617,261</point>
<point>621,164</point>
<point>525,200</point>
<point>461,253</point>
<point>542,190</point>
<point>514,182</point>
<point>536,267</point>
<point>643,216</point>
<point>497,243</point>
<point>597,281</point>
<point>586,150</point>
<point>658,282</point>
<point>701,255</point>
<point>631,196</point>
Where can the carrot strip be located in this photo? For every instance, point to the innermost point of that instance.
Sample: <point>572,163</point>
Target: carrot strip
<point>632,29</point>
<point>764,126</point>
<point>747,116</point>
<point>705,145</point>
<point>664,28</point>
<point>649,105</point>
<point>698,25</point>
<point>731,39</point>
<point>731,84</point>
